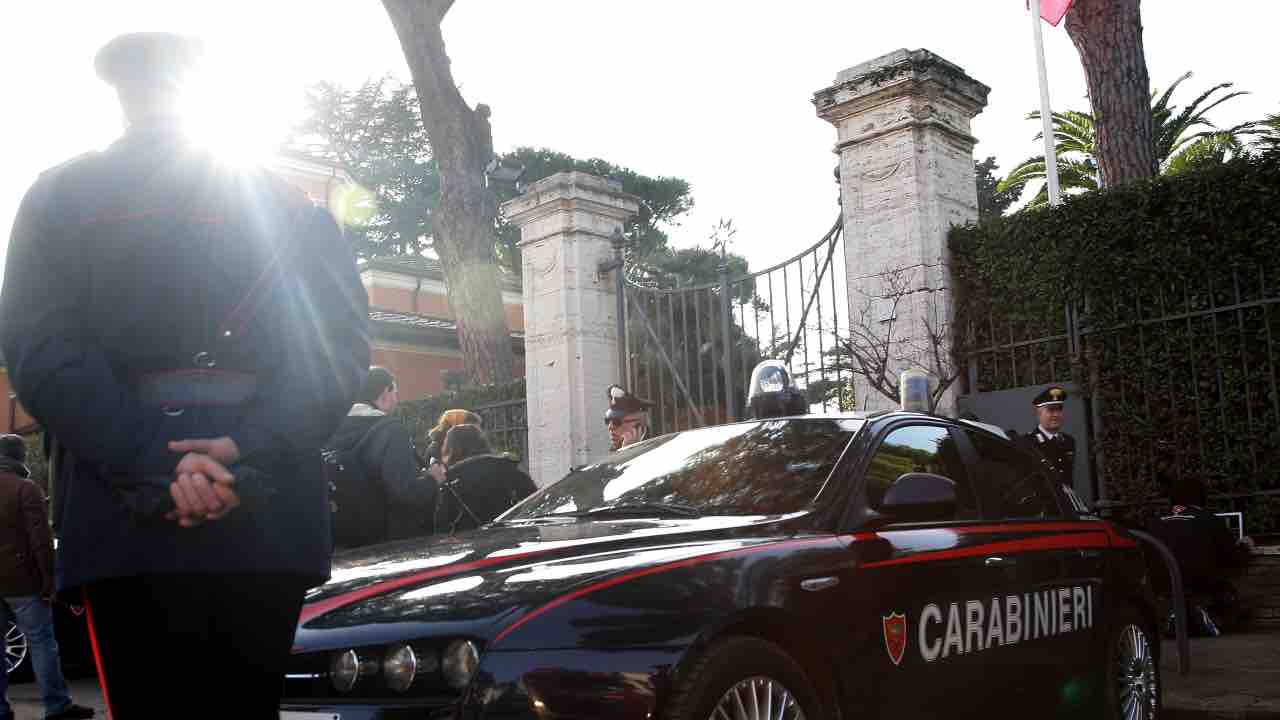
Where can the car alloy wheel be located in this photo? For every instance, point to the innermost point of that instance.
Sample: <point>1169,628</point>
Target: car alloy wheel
<point>1137,686</point>
<point>15,648</point>
<point>757,698</point>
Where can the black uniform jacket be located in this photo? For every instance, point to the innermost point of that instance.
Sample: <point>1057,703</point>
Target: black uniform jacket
<point>478,490</point>
<point>404,500</point>
<point>1059,452</point>
<point>150,261</point>
<point>1200,540</point>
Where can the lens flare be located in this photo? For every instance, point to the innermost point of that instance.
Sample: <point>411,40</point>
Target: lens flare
<point>352,205</point>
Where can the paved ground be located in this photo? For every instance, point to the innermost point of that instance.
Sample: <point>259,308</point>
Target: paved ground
<point>1233,677</point>
<point>25,698</point>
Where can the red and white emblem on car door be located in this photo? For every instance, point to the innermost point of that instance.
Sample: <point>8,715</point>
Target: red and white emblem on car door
<point>895,635</point>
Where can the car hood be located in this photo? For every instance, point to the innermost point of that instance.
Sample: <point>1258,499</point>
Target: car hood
<point>473,584</point>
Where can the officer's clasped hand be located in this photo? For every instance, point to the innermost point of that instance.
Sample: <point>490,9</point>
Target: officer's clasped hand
<point>202,489</point>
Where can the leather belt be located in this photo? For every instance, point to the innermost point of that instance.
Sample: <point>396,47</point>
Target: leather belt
<point>175,390</point>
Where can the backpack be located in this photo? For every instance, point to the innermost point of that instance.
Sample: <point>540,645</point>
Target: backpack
<point>357,509</point>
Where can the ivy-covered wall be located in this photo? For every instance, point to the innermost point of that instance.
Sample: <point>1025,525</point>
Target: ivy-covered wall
<point>1176,283</point>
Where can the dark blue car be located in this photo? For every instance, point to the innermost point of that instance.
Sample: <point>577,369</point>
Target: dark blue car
<point>893,565</point>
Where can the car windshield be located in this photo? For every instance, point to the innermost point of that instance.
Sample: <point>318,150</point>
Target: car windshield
<point>752,468</point>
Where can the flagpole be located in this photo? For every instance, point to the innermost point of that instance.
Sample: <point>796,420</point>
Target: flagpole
<point>1046,113</point>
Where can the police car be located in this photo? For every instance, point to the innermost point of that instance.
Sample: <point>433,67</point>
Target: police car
<point>892,565</point>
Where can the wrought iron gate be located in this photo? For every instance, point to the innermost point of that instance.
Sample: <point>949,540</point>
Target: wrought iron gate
<point>690,350</point>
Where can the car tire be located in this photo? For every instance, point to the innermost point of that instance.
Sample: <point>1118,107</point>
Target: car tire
<point>1132,688</point>
<point>738,673</point>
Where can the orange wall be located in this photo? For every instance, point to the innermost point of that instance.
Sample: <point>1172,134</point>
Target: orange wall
<point>422,374</point>
<point>429,303</point>
<point>417,374</point>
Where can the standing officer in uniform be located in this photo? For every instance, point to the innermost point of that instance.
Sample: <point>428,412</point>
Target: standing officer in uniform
<point>627,418</point>
<point>1048,440</point>
<point>190,334</point>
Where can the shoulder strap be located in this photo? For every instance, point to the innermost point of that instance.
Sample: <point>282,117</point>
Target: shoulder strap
<point>380,422</point>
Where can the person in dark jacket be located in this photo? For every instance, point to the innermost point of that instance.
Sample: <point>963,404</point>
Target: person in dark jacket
<point>396,502</point>
<point>1203,546</point>
<point>191,333</point>
<point>27,582</point>
<point>479,485</point>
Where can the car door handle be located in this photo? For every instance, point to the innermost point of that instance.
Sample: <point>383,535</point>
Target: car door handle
<point>999,561</point>
<point>819,583</point>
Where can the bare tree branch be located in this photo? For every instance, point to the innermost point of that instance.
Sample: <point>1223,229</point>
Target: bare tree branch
<point>876,348</point>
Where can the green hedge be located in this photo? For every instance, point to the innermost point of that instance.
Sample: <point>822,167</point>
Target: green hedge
<point>1192,393</point>
<point>421,415</point>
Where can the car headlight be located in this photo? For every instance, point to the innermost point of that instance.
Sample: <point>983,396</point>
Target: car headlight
<point>344,671</point>
<point>459,664</point>
<point>399,667</point>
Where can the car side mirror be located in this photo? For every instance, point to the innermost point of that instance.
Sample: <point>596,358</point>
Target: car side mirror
<point>920,497</point>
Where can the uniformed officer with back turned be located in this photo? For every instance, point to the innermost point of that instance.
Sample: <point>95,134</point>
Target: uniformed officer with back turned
<point>190,334</point>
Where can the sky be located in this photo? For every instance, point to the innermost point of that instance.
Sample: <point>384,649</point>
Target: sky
<point>713,91</point>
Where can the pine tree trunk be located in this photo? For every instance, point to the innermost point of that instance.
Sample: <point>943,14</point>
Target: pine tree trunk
<point>1108,36</point>
<point>462,144</point>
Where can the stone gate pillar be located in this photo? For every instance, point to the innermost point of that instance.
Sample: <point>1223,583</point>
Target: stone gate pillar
<point>566,226</point>
<point>906,176</point>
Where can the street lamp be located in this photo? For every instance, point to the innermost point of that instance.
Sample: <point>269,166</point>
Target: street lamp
<point>503,172</point>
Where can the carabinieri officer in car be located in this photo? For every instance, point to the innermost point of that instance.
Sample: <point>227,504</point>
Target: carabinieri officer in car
<point>190,333</point>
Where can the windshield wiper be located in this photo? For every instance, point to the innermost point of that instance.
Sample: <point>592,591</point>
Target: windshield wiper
<point>641,509</point>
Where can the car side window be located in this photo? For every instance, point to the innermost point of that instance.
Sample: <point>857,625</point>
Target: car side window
<point>1013,487</point>
<point>919,448</point>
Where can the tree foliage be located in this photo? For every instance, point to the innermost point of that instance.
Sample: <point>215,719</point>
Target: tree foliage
<point>662,201</point>
<point>1269,133</point>
<point>375,133</point>
<point>1184,139</point>
<point>992,201</point>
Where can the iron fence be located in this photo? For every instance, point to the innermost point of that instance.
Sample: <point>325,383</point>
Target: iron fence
<point>1180,374</point>
<point>691,349</point>
<point>507,426</point>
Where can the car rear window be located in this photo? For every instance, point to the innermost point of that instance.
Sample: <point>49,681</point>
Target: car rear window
<point>753,468</point>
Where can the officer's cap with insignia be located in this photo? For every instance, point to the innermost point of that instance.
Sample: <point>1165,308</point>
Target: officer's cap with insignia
<point>623,403</point>
<point>148,60</point>
<point>1054,396</point>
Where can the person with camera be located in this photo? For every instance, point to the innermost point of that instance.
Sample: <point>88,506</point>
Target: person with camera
<point>377,495</point>
<point>479,485</point>
<point>449,419</point>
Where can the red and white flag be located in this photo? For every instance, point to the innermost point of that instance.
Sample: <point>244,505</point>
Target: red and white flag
<point>1052,11</point>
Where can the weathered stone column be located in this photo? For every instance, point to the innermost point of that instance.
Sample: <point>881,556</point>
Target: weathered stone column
<point>566,226</point>
<point>906,176</point>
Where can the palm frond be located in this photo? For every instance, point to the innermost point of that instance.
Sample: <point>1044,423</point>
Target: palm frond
<point>1206,151</point>
<point>1184,138</point>
<point>1268,132</point>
